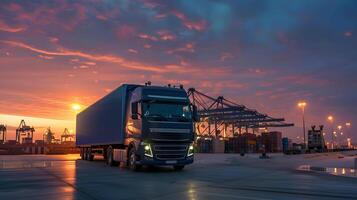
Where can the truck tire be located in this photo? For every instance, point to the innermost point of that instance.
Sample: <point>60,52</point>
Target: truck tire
<point>178,167</point>
<point>89,155</point>
<point>85,154</point>
<point>110,159</point>
<point>82,154</point>
<point>132,158</point>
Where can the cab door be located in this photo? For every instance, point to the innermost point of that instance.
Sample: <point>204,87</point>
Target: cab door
<point>134,124</point>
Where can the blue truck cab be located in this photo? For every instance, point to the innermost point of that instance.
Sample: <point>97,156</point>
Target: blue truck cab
<point>139,125</point>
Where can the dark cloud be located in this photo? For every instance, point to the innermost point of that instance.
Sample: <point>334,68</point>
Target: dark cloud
<point>266,54</point>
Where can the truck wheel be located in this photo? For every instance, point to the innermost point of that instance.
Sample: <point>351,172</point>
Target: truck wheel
<point>132,160</point>
<point>89,154</point>
<point>179,167</point>
<point>85,154</point>
<point>82,153</point>
<point>110,159</point>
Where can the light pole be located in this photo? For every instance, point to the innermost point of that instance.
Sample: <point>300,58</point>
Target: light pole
<point>302,106</point>
<point>339,127</point>
<point>348,125</point>
<point>330,119</point>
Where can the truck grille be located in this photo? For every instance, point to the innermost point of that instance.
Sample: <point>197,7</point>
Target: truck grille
<point>170,151</point>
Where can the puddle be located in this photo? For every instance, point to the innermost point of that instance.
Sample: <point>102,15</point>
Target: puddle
<point>349,172</point>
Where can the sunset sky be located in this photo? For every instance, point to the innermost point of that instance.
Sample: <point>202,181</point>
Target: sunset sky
<point>267,55</point>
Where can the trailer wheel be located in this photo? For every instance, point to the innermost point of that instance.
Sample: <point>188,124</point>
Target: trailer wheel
<point>88,154</point>
<point>85,154</point>
<point>132,160</point>
<point>82,154</point>
<point>110,159</point>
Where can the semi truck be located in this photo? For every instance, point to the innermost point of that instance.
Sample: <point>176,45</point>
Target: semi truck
<point>139,125</point>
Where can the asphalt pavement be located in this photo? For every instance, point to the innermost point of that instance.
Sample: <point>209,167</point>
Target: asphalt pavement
<point>212,176</point>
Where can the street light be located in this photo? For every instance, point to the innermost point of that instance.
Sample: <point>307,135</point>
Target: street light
<point>339,127</point>
<point>349,143</point>
<point>330,119</point>
<point>302,105</point>
<point>348,125</point>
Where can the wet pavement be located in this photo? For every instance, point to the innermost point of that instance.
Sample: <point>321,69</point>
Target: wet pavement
<point>213,176</point>
<point>348,172</point>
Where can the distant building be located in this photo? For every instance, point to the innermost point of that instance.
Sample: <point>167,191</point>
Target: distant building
<point>315,139</point>
<point>272,141</point>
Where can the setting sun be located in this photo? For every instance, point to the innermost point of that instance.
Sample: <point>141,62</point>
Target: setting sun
<point>76,107</point>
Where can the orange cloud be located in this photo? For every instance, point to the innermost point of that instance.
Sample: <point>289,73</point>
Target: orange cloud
<point>50,14</point>
<point>198,26</point>
<point>166,35</point>
<point>147,37</point>
<point>45,57</point>
<point>147,46</point>
<point>189,47</point>
<point>160,16</point>
<point>53,39</point>
<point>133,51</point>
<point>7,28</point>
<point>103,58</point>
<point>192,25</point>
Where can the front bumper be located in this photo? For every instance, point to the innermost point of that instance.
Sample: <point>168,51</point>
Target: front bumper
<point>151,161</point>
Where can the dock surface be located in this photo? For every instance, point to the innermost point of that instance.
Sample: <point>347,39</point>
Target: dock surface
<point>212,176</point>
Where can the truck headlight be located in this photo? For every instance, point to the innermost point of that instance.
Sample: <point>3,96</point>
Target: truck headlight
<point>190,150</point>
<point>147,150</point>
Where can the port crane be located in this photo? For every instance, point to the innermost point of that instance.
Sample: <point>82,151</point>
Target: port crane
<point>48,136</point>
<point>67,136</point>
<point>2,133</point>
<point>25,133</point>
<point>220,117</point>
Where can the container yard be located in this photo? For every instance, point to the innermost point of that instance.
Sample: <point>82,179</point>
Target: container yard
<point>25,144</point>
<point>223,126</point>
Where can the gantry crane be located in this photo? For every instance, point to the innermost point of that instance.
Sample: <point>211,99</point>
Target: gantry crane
<point>67,136</point>
<point>2,133</point>
<point>25,133</point>
<point>217,114</point>
<point>48,136</point>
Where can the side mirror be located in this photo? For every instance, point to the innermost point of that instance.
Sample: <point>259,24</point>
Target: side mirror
<point>195,113</point>
<point>134,110</point>
<point>134,116</point>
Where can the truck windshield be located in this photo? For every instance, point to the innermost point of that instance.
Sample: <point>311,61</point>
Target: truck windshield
<point>162,111</point>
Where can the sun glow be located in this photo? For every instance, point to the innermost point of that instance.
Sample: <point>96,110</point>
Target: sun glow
<point>76,107</point>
